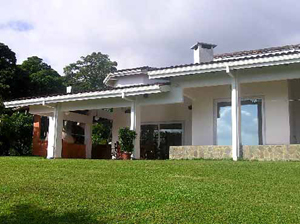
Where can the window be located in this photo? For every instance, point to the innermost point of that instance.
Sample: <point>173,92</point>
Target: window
<point>157,138</point>
<point>251,122</point>
<point>76,130</point>
<point>44,128</point>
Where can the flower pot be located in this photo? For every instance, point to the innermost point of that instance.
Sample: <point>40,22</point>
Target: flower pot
<point>126,156</point>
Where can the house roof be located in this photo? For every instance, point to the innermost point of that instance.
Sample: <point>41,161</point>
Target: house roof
<point>236,60</point>
<point>257,52</point>
<point>130,71</point>
<point>248,57</point>
<point>113,93</point>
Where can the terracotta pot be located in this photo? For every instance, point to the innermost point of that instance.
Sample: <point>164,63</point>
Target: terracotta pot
<point>126,156</point>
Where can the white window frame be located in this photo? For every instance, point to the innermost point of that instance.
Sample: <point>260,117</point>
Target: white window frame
<point>220,100</point>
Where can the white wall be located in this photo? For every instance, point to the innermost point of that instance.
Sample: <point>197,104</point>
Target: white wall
<point>120,119</point>
<point>276,110</point>
<point>157,114</point>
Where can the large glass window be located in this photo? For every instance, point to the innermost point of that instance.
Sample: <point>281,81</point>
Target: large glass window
<point>251,122</point>
<point>157,138</point>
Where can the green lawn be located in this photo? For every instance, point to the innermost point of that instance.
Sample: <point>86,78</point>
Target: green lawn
<point>36,190</point>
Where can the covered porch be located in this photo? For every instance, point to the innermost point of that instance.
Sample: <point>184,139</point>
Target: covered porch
<point>249,117</point>
<point>121,106</point>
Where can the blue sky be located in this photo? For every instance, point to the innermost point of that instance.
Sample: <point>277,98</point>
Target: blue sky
<point>19,26</point>
<point>149,32</point>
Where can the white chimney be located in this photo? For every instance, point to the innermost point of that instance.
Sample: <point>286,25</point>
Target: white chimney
<point>203,52</point>
<point>69,89</point>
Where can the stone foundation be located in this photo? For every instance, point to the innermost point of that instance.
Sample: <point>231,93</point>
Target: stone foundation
<point>256,152</point>
<point>200,152</point>
<point>272,152</point>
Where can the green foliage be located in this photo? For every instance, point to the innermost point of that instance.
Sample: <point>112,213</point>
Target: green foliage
<point>12,80</point>
<point>36,190</point>
<point>16,134</point>
<point>43,79</point>
<point>32,78</point>
<point>126,138</point>
<point>88,73</point>
<point>101,133</point>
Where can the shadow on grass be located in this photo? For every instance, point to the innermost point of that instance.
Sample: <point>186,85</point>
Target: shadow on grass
<point>26,213</point>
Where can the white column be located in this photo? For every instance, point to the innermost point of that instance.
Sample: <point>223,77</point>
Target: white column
<point>235,118</point>
<point>132,116</point>
<point>88,139</point>
<point>54,149</point>
<point>135,124</point>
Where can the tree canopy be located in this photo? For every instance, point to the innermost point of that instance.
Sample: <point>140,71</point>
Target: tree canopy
<point>88,73</point>
<point>43,79</point>
<point>12,79</point>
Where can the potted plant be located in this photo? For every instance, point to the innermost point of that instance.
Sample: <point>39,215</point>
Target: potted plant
<point>126,138</point>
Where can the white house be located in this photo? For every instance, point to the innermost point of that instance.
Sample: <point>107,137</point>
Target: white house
<point>241,104</point>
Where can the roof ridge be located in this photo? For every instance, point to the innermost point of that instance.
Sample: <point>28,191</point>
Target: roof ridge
<point>258,51</point>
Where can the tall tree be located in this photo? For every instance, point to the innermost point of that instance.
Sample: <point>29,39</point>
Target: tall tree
<point>88,73</point>
<point>11,78</point>
<point>43,79</point>
<point>15,127</point>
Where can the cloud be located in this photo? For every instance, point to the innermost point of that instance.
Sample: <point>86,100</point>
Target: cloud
<point>19,26</point>
<point>137,33</point>
<point>245,113</point>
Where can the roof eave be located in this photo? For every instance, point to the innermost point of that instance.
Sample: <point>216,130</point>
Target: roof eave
<point>89,96</point>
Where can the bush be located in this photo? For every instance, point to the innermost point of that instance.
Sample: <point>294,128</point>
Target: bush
<point>126,138</point>
<point>16,134</point>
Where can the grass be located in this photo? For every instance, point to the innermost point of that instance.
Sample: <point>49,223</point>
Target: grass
<point>36,190</point>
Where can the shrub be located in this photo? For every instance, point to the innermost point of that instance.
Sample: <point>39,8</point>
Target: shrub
<point>101,133</point>
<point>16,134</point>
<point>126,138</point>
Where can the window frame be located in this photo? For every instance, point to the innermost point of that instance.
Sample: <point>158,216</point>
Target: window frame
<point>215,113</point>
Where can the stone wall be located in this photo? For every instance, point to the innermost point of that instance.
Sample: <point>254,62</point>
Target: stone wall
<point>272,152</point>
<point>257,152</point>
<point>200,152</point>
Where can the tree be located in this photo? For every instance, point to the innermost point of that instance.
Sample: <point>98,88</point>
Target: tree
<point>88,73</point>
<point>33,77</point>
<point>16,134</point>
<point>11,78</point>
<point>43,79</point>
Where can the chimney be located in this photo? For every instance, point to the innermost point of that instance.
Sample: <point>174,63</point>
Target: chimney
<point>203,52</point>
<point>69,89</point>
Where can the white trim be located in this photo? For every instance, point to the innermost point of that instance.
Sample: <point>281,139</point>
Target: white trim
<point>222,66</point>
<point>134,91</point>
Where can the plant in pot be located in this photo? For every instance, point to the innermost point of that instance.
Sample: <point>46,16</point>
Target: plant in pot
<point>126,138</point>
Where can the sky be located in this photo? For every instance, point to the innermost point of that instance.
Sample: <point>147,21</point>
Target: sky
<point>138,33</point>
